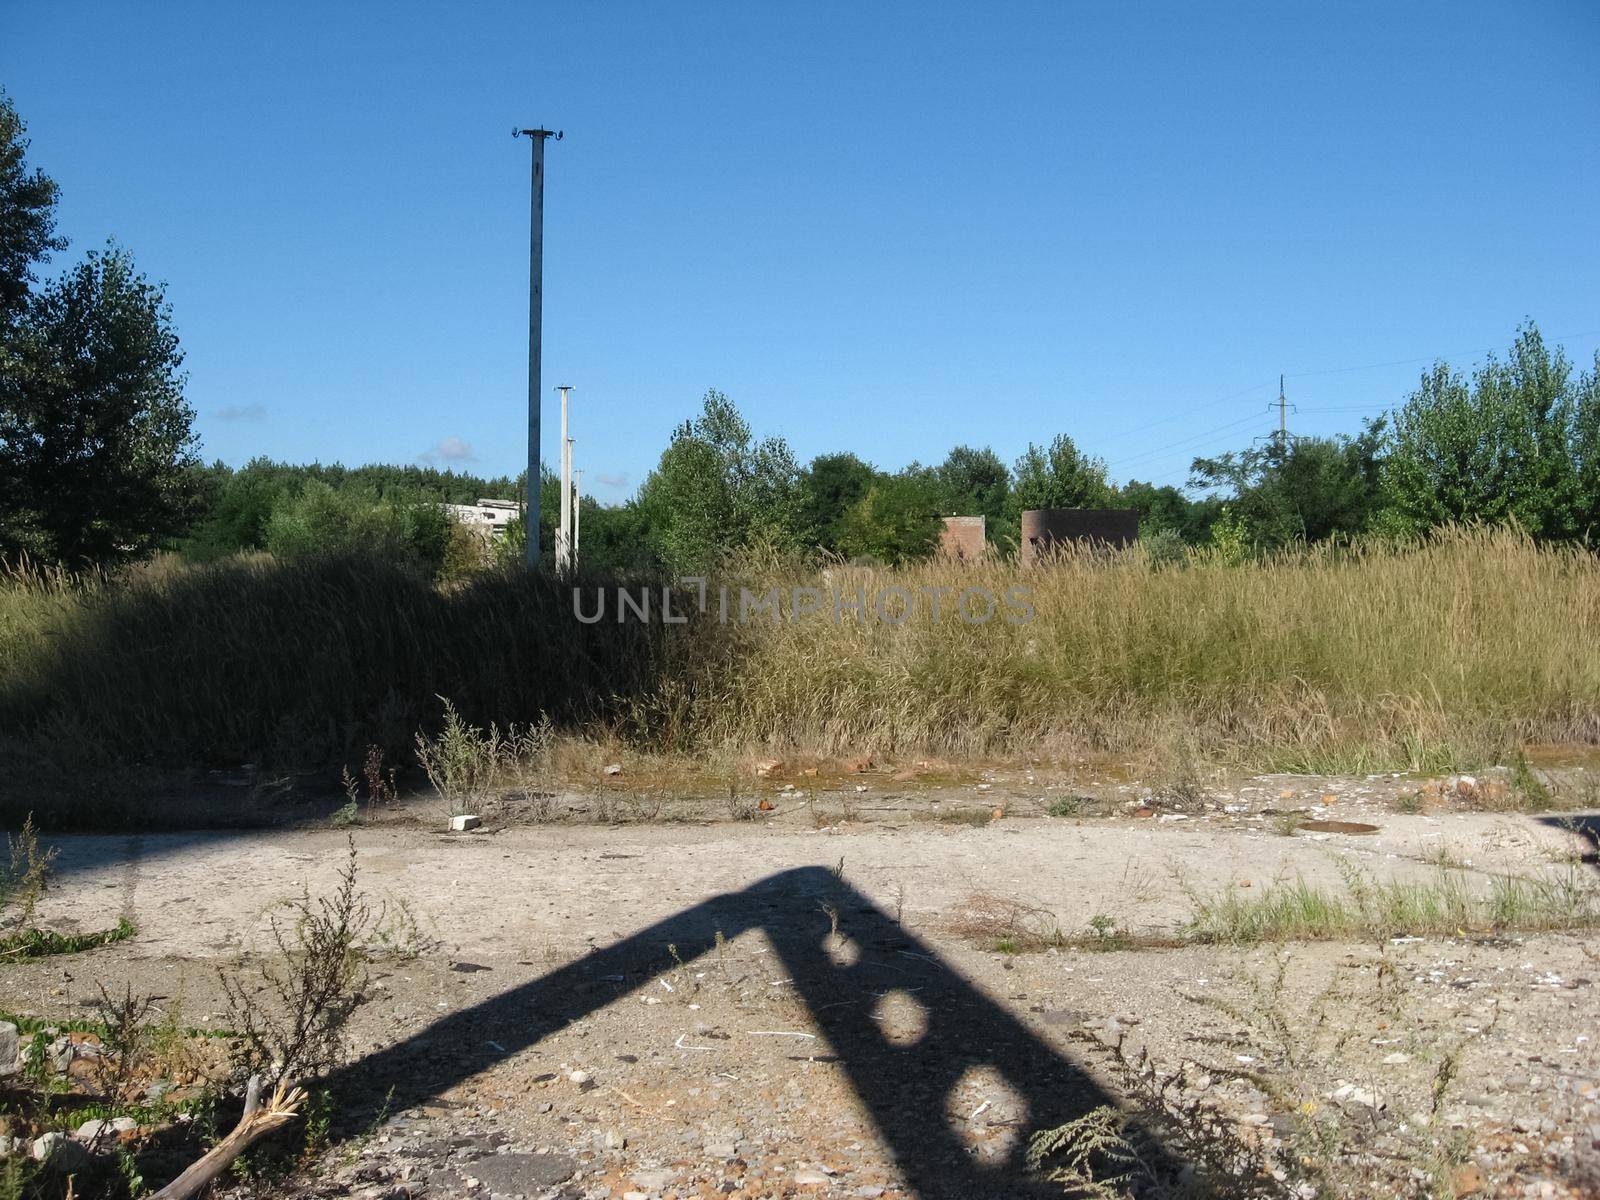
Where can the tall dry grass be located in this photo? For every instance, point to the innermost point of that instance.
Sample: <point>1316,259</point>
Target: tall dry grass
<point>290,663</point>
<point>1366,658</point>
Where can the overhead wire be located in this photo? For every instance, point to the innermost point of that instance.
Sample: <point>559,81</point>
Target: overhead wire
<point>1155,452</point>
<point>1187,441</point>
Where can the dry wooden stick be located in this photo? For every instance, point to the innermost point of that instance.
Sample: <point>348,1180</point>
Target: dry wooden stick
<point>255,1124</point>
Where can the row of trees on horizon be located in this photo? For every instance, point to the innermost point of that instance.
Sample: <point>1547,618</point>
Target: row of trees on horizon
<point>1516,441</point>
<point>99,460</point>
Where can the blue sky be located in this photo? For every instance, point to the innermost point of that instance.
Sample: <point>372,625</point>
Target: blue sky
<point>882,227</point>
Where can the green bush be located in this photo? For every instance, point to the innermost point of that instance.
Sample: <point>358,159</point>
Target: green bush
<point>321,520</point>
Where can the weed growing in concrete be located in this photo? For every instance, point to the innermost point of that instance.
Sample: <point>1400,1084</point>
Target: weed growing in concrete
<point>1287,824</point>
<point>1298,1058</point>
<point>467,765</point>
<point>740,808</point>
<point>1105,933</point>
<point>41,943</point>
<point>125,1043</point>
<point>380,787</point>
<point>1445,858</point>
<point>1072,806</point>
<point>1171,1124</point>
<point>1088,1156</point>
<point>25,876</point>
<point>1008,924</point>
<point>1530,791</point>
<point>1180,785</point>
<point>349,812</point>
<point>291,1022</point>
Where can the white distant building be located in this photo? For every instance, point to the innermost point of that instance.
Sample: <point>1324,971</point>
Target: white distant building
<point>488,517</point>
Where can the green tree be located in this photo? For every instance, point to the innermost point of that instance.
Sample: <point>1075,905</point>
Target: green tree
<point>973,483</point>
<point>1586,453</point>
<point>1513,442</point>
<point>97,455</point>
<point>717,488</point>
<point>1308,490</point>
<point>27,217</point>
<point>829,488</point>
<point>1165,509</point>
<point>321,519</point>
<point>1230,537</point>
<point>1059,476</point>
<point>237,506</point>
<point>895,522</point>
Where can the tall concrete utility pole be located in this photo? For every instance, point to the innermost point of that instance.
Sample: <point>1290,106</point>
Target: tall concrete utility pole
<point>564,523</point>
<point>535,329</point>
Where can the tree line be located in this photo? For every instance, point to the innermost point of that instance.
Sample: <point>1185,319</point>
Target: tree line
<point>99,460</point>
<point>1516,440</point>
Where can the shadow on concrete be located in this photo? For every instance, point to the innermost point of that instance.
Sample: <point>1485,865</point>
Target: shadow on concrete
<point>1584,826</point>
<point>905,1088</point>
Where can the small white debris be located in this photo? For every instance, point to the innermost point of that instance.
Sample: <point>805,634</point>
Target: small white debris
<point>1356,1095</point>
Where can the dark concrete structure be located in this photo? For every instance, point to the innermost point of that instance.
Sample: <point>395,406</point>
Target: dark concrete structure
<point>1045,528</point>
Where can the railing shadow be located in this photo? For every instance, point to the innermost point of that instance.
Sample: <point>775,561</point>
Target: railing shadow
<point>1584,826</point>
<point>905,1088</point>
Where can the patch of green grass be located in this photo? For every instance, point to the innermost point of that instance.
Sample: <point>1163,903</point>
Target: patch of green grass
<point>1408,802</point>
<point>156,1112</point>
<point>1445,858</point>
<point>1530,791</point>
<point>42,943</point>
<point>975,818</point>
<point>1072,806</point>
<point>1105,933</point>
<point>17,1176</point>
<point>29,1025</point>
<point>1295,910</point>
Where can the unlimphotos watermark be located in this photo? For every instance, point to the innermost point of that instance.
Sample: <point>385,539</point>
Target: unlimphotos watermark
<point>892,605</point>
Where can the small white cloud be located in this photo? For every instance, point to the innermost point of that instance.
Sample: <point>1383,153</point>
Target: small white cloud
<point>451,450</point>
<point>241,412</point>
<point>612,481</point>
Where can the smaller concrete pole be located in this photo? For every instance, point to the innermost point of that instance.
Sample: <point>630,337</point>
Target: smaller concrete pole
<point>577,514</point>
<point>564,523</point>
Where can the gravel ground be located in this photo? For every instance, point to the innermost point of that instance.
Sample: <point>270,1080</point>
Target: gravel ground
<point>773,1008</point>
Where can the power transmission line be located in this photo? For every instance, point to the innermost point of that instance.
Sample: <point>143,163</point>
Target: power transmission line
<point>1255,387</point>
<point>1282,434</point>
<point>1187,441</point>
<point>1406,362</point>
<point>1347,408</point>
